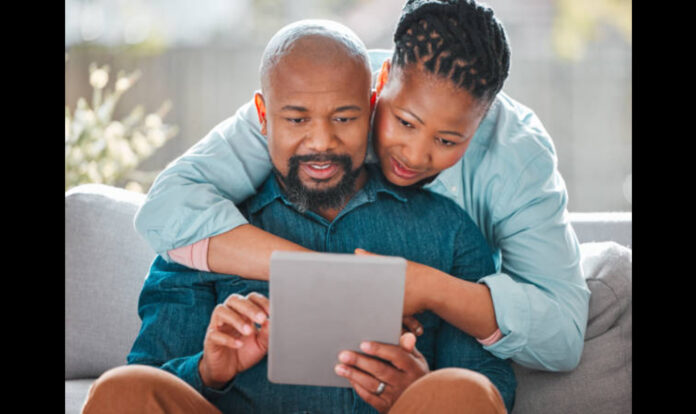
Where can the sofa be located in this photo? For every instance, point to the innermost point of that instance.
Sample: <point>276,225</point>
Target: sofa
<point>106,262</point>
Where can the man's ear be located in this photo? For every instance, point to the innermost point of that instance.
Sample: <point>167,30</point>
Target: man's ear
<point>380,82</point>
<point>261,111</point>
<point>383,76</point>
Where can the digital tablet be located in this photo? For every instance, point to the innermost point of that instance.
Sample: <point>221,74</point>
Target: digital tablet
<point>323,303</point>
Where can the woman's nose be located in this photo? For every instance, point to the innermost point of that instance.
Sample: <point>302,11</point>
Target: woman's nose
<point>416,153</point>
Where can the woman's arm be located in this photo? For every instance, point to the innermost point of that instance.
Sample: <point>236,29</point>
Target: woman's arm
<point>457,297</point>
<point>464,304</point>
<point>246,251</point>
<point>540,297</point>
<point>194,198</point>
<point>514,192</point>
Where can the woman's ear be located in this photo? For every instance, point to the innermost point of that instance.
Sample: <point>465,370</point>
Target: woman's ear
<point>261,111</point>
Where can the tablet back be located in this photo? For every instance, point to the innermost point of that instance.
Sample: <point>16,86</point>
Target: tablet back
<point>323,303</point>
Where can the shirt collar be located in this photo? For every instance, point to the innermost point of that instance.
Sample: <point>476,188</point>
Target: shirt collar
<point>447,179</point>
<point>376,183</point>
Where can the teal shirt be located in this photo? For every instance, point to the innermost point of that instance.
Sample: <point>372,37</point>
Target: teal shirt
<point>507,181</point>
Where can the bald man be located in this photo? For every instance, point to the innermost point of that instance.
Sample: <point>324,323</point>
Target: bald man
<point>314,108</point>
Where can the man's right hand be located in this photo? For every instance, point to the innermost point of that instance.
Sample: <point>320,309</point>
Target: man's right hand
<point>232,343</point>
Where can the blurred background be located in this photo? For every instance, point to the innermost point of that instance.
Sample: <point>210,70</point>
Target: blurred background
<point>145,80</point>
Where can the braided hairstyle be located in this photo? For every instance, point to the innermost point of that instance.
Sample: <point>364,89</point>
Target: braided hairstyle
<point>456,39</point>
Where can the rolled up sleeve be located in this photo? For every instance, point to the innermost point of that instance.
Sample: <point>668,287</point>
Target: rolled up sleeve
<point>540,296</point>
<point>194,197</point>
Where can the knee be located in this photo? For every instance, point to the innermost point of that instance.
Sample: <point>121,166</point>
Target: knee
<point>127,376</point>
<point>457,390</point>
<point>109,389</point>
<point>461,380</point>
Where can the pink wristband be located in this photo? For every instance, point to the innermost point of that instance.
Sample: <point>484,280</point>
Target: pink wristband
<point>495,336</point>
<point>194,255</point>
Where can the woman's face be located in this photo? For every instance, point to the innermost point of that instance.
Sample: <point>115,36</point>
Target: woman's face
<point>423,124</point>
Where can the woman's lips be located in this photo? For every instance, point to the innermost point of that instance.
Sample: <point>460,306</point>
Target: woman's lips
<point>319,170</point>
<point>402,171</point>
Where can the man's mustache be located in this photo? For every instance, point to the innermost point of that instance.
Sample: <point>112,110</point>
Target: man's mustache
<point>319,157</point>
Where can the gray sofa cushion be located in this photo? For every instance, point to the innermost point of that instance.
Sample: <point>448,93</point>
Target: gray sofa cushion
<point>75,394</point>
<point>602,381</point>
<point>106,262</point>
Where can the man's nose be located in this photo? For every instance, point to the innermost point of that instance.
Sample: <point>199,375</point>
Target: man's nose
<point>322,137</point>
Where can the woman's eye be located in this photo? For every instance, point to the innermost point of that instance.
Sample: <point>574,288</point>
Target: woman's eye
<point>405,123</point>
<point>445,142</point>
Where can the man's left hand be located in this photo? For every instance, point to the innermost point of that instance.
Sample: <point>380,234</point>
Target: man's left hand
<point>405,365</point>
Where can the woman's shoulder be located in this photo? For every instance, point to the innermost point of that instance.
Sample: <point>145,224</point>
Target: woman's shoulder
<point>511,136</point>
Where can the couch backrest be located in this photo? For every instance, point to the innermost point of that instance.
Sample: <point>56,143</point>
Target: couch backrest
<point>106,262</point>
<point>604,226</point>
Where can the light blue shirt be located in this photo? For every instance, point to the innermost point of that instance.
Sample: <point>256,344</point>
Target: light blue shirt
<point>507,181</point>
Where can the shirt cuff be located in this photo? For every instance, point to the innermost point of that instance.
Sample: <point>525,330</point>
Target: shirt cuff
<point>190,373</point>
<point>493,338</point>
<point>511,306</point>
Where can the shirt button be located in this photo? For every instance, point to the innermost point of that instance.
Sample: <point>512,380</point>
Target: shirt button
<point>454,189</point>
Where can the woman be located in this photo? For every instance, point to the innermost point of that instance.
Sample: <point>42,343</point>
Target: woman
<point>440,121</point>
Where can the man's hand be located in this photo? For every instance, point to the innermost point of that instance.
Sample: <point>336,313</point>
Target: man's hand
<point>406,365</point>
<point>233,344</point>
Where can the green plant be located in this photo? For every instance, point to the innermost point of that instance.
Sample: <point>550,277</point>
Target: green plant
<point>577,23</point>
<point>99,149</point>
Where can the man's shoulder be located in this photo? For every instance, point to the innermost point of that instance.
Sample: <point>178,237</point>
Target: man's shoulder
<point>436,209</point>
<point>265,195</point>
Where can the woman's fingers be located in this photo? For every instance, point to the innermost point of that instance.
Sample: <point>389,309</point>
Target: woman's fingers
<point>412,325</point>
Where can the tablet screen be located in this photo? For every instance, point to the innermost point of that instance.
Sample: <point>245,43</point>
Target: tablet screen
<point>323,303</point>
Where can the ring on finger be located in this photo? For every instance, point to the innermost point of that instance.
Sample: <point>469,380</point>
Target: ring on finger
<point>380,388</point>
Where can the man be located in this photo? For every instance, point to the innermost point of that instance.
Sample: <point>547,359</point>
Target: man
<point>315,110</point>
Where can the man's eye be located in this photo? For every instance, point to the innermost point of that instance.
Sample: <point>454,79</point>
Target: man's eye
<point>296,120</point>
<point>343,120</point>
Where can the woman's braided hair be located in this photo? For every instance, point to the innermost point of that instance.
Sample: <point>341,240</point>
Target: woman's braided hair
<point>457,39</point>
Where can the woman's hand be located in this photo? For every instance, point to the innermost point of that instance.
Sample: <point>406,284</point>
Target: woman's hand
<point>405,365</point>
<point>411,324</point>
<point>232,343</point>
<point>416,289</point>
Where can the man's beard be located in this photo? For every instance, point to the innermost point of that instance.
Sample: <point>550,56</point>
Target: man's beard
<point>304,198</point>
